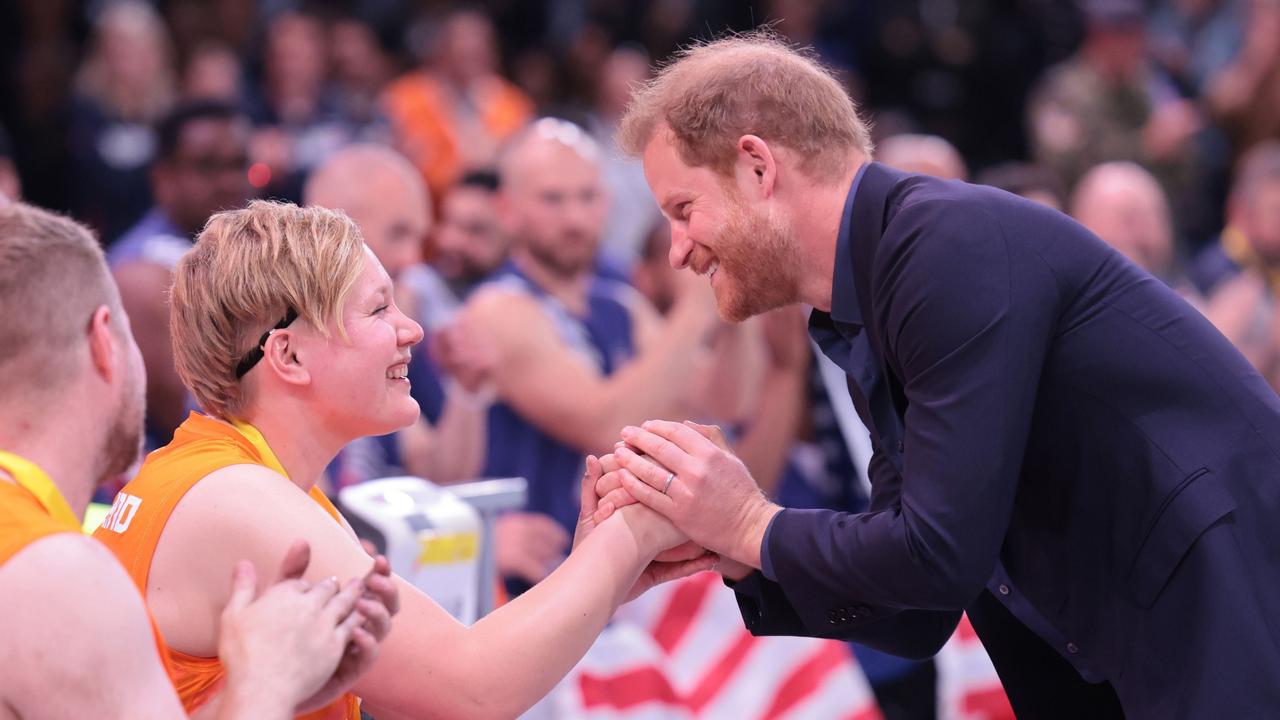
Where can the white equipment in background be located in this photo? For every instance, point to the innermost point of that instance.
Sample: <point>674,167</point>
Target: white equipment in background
<point>438,539</point>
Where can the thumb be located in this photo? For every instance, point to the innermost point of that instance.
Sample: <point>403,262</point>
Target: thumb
<point>589,478</point>
<point>244,586</point>
<point>710,432</point>
<point>295,561</point>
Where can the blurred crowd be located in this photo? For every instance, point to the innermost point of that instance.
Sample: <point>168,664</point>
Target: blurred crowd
<point>473,145</point>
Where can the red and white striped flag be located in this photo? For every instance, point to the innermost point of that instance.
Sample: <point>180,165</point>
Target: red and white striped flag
<point>681,651</point>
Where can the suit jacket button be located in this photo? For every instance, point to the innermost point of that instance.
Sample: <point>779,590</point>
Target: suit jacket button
<point>1004,589</point>
<point>1071,648</point>
<point>899,446</point>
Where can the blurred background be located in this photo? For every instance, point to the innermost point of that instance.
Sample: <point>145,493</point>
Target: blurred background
<point>1155,123</point>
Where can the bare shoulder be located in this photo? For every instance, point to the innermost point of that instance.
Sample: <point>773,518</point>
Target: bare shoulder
<point>72,620</point>
<point>253,511</point>
<point>240,512</point>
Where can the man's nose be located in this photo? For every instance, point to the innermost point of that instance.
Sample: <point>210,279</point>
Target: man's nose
<point>681,248</point>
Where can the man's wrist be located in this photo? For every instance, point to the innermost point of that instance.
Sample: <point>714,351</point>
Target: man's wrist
<point>758,518</point>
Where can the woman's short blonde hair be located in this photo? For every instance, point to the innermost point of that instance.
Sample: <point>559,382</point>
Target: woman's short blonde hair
<point>248,268</point>
<point>751,84</point>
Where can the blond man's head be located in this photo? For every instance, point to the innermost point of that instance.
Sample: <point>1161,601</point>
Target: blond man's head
<point>65,340</point>
<point>752,84</point>
<point>52,278</point>
<point>249,269</point>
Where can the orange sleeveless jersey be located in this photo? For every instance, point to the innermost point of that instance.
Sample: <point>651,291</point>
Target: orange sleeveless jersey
<point>132,530</point>
<point>24,520</point>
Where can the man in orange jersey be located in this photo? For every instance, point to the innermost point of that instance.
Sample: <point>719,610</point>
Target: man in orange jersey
<point>75,638</point>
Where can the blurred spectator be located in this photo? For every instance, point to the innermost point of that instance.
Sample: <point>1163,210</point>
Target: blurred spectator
<point>10,183</point>
<point>1244,96</point>
<point>1109,102</point>
<point>213,73</point>
<point>1125,206</point>
<point>450,114</point>
<point>124,86</point>
<point>1031,181</point>
<point>1240,274</point>
<point>294,110</point>
<point>577,356</point>
<point>390,205</point>
<point>632,210</point>
<point>927,154</point>
<point>470,247</point>
<point>1195,40</point>
<point>362,67</point>
<point>200,168</point>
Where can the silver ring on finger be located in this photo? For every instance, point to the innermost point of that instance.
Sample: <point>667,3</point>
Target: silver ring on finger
<point>667,486</point>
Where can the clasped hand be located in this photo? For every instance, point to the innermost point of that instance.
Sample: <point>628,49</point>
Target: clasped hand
<point>687,473</point>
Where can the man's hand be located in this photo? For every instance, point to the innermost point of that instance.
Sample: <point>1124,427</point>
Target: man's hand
<point>529,545</point>
<point>293,637</point>
<point>710,496</point>
<point>380,601</point>
<point>680,558</point>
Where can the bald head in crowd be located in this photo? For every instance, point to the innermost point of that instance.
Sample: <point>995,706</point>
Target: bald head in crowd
<point>552,200</point>
<point>926,154</point>
<point>1125,206</point>
<point>384,194</point>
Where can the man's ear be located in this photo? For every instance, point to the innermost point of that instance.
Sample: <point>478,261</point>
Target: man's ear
<point>102,344</point>
<point>755,168</point>
<point>283,356</point>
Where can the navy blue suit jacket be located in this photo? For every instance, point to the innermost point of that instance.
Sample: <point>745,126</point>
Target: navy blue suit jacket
<point>1055,431</point>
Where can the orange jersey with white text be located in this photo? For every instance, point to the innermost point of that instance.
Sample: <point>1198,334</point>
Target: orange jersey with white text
<point>132,530</point>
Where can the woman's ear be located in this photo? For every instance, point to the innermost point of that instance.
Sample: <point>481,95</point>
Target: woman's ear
<point>284,354</point>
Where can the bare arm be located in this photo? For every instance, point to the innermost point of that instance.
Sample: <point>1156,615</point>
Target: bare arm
<point>143,289</point>
<point>430,665</point>
<point>568,399</point>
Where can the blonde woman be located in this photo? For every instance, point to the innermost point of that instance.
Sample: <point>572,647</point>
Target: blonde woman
<point>286,330</point>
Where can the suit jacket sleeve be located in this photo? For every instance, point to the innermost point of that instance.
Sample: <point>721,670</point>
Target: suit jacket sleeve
<point>966,323</point>
<point>906,633</point>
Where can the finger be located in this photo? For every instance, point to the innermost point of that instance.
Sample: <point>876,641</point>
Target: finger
<point>658,449</point>
<point>666,572</point>
<point>369,548</point>
<point>340,603</point>
<point>609,481</point>
<point>603,511</point>
<point>686,551</point>
<point>296,560</point>
<point>645,470</point>
<point>363,645</point>
<point>608,463</point>
<point>348,626</point>
<point>589,478</point>
<point>244,586</point>
<point>614,500</point>
<point>324,591</point>
<point>687,439</point>
<point>384,588</point>
<point>651,498</point>
<point>712,433</point>
<point>377,619</point>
